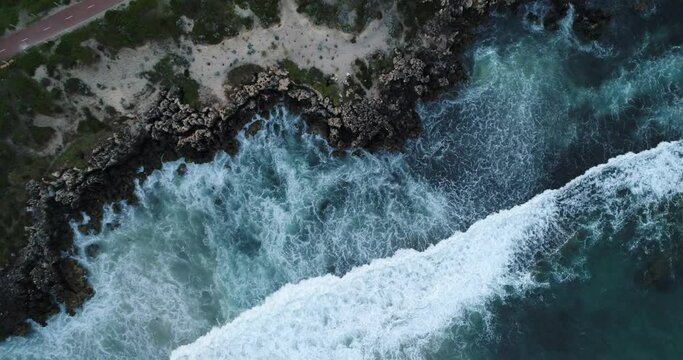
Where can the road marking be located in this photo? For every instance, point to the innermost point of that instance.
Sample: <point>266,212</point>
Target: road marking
<point>46,29</point>
<point>90,6</point>
<point>2,51</point>
<point>24,39</point>
<point>69,17</point>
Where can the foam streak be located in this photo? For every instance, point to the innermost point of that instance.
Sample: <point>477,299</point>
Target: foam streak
<point>398,307</point>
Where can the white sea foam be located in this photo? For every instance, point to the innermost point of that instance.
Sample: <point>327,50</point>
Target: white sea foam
<point>200,248</point>
<point>650,85</point>
<point>398,307</point>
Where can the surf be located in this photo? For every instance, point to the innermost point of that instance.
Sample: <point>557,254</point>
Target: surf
<point>398,307</point>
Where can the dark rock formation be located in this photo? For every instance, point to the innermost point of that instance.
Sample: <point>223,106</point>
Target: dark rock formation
<point>588,22</point>
<point>41,277</point>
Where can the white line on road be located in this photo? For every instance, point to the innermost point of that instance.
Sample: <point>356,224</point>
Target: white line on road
<point>2,51</point>
<point>69,17</point>
<point>90,6</point>
<point>46,29</point>
<point>24,39</point>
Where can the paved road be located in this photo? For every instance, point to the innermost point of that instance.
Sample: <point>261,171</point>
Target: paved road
<point>53,25</point>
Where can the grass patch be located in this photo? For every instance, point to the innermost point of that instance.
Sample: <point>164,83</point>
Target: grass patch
<point>30,60</point>
<point>214,20</point>
<point>69,53</point>
<point>75,154</point>
<point>268,11</point>
<point>415,13</point>
<point>91,124</point>
<point>314,78</point>
<point>21,94</point>
<point>15,170</point>
<point>75,86</point>
<point>350,16</point>
<point>41,135</point>
<point>172,71</point>
<point>378,64</point>
<point>243,74</point>
<point>139,22</point>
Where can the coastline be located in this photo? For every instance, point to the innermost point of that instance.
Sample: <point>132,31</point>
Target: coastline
<point>42,278</point>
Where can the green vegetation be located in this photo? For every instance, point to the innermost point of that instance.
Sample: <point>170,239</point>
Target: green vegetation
<point>243,74</point>
<point>416,13</point>
<point>377,64</point>
<point>347,15</point>
<point>353,16</point>
<point>68,53</point>
<point>315,79</point>
<point>214,20</point>
<point>139,22</point>
<point>364,74</point>
<point>30,60</point>
<point>41,135</point>
<point>21,95</point>
<point>268,11</point>
<point>21,99</point>
<point>149,20</point>
<point>76,153</point>
<point>74,86</point>
<point>142,21</point>
<point>15,170</point>
<point>172,71</point>
<point>91,133</point>
<point>91,125</point>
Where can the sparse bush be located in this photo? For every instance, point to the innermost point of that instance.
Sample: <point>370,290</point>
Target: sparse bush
<point>75,86</point>
<point>314,78</point>
<point>243,74</point>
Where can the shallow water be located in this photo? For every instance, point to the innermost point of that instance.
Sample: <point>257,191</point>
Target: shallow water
<point>558,277</point>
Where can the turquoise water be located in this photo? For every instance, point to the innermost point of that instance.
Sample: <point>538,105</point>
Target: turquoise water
<point>612,291</point>
<point>402,307</point>
<point>590,270</point>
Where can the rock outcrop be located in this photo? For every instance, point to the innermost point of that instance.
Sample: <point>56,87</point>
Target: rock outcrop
<point>43,277</point>
<point>588,22</point>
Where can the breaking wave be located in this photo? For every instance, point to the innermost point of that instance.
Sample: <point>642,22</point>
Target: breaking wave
<point>201,249</point>
<point>398,307</point>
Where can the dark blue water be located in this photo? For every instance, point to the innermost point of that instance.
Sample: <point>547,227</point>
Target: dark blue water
<point>618,291</point>
<point>588,271</point>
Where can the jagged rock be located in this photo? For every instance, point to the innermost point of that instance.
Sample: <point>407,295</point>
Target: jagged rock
<point>40,278</point>
<point>588,22</point>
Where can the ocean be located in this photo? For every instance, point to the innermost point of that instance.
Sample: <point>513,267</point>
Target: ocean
<point>539,215</point>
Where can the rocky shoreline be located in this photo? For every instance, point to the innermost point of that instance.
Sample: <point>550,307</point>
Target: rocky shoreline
<point>43,277</point>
